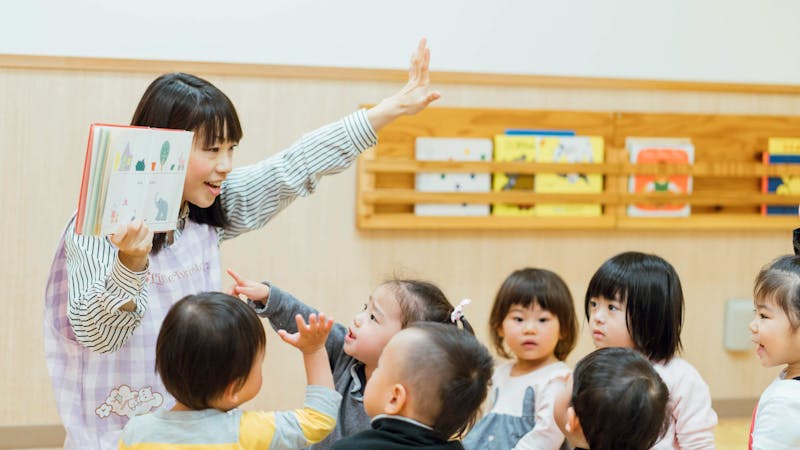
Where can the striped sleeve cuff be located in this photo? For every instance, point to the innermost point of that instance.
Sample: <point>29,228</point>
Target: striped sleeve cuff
<point>359,130</point>
<point>322,399</point>
<point>126,285</point>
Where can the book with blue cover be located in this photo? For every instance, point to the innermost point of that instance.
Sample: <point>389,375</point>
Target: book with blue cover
<point>783,185</point>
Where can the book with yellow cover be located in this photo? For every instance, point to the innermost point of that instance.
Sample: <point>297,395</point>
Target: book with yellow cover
<point>783,146</point>
<point>513,148</point>
<point>570,149</point>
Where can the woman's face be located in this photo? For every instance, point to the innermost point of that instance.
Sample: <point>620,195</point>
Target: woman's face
<point>207,169</point>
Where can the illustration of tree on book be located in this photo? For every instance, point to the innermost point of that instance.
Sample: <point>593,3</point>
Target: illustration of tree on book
<point>115,189</point>
<point>660,151</point>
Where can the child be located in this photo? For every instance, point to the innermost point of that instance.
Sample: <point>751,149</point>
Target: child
<point>614,400</point>
<point>775,332</point>
<point>106,296</point>
<point>209,354</point>
<point>635,300</point>
<point>429,384</point>
<point>533,317</point>
<point>353,352</point>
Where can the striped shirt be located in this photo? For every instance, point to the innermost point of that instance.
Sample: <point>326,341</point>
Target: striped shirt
<point>212,429</point>
<point>99,284</point>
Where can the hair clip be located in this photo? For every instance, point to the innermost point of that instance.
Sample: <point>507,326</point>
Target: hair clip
<point>458,311</point>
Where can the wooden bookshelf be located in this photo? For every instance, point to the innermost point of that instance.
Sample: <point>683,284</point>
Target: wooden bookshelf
<point>726,174</point>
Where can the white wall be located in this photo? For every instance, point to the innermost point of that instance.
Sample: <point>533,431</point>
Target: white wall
<point>695,40</point>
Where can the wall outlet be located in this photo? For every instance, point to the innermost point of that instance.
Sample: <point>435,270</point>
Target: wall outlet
<point>738,315</point>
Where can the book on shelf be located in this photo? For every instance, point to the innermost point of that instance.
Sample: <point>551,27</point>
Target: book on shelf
<point>782,185</point>
<point>452,149</point>
<point>513,148</point>
<point>569,149</point>
<point>660,151</point>
<point>131,173</point>
<point>783,146</point>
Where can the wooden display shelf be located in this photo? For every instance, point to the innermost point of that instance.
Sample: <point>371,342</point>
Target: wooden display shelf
<point>726,174</point>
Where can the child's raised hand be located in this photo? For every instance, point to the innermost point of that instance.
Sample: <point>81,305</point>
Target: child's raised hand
<point>258,292</point>
<point>134,241</point>
<point>311,336</point>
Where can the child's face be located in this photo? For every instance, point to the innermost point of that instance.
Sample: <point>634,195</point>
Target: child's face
<point>207,169</point>
<point>373,327</point>
<point>380,393</point>
<point>531,334</point>
<point>252,385</point>
<point>772,332</point>
<point>607,319</point>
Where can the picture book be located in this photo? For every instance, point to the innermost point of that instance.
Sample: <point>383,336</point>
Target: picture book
<point>569,149</point>
<point>452,149</point>
<point>129,173</point>
<point>660,151</point>
<point>783,146</point>
<point>513,148</point>
<point>783,185</point>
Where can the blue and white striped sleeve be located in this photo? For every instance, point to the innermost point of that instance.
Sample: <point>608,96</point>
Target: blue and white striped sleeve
<point>252,195</point>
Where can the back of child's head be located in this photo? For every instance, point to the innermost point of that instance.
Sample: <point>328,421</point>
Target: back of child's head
<point>529,286</point>
<point>424,301</point>
<point>186,102</point>
<point>449,373</point>
<point>207,341</point>
<point>650,289</point>
<point>779,283</point>
<point>620,400</point>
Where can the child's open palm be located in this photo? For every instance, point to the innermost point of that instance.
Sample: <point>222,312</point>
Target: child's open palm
<point>310,337</point>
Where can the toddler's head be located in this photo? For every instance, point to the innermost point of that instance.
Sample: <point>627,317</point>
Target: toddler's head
<point>614,400</point>
<point>393,306</point>
<point>434,373</point>
<point>533,305</point>
<point>635,300</point>
<point>777,302</point>
<point>210,350</point>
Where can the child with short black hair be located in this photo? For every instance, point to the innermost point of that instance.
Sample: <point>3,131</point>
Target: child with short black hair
<point>776,332</point>
<point>354,351</point>
<point>635,300</point>
<point>426,390</point>
<point>532,323</point>
<point>209,355</point>
<point>614,400</point>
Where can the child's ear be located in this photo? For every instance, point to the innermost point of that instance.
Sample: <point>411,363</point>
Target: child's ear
<point>573,424</point>
<point>231,394</point>
<point>500,331</point>
<point>398,400</point>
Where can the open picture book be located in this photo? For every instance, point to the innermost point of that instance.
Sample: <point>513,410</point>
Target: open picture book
<point>130,173</point>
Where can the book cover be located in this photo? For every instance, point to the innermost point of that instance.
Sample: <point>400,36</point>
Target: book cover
<point>513,148</point>
<point>661,151</point>
<point>452,149</point>
<point>129,173</point>
<point>784,185</point>
<point>783,146</point>
<point>577,149</point>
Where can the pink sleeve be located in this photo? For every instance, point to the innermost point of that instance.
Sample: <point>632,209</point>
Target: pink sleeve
<point>692,415</point>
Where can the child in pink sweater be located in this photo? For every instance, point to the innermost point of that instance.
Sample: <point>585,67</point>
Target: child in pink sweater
<point>635,300</point>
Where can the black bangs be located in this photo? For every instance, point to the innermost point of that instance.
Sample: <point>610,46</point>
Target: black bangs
<point>216,121</point>
<point>185,102</point>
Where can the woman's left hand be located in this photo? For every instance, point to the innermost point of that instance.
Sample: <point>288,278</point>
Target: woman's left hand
<point>415,96</point>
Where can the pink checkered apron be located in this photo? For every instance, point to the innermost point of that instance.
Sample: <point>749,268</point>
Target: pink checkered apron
<point>97,393</point>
